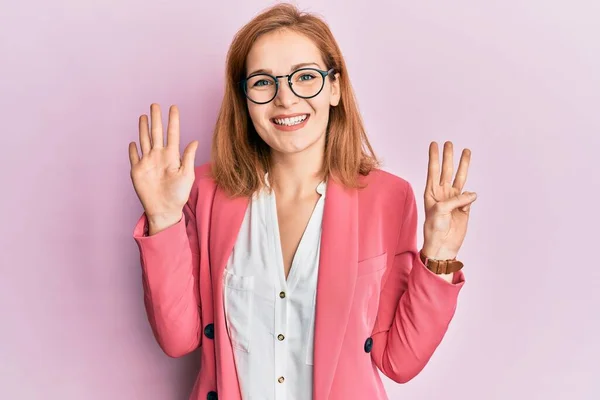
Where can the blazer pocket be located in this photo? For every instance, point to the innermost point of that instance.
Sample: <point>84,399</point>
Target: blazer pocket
<point>368,287</point>
<point>372,264</point>
<point>238,292</point>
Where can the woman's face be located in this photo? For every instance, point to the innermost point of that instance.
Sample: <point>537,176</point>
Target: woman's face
<point>290,124</point>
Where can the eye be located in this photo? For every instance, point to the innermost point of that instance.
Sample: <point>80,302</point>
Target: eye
<point>262,82</point>
<point>306,77</point>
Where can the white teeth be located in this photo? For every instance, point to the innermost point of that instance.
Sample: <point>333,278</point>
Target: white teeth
<point>291,121</point>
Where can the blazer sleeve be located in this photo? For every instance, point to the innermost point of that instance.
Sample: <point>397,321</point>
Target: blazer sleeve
<point>415,306</point>
<point>170,263</point>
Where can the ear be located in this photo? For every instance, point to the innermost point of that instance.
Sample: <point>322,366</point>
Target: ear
<point>335,95</point>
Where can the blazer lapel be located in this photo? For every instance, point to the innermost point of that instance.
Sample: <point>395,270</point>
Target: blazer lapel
<point>336,280</point>
<point>226,220</point>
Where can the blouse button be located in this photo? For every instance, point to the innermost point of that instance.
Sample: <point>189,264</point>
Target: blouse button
<point>282,295</point>
<point>281,379</point>
<point>280,337</point>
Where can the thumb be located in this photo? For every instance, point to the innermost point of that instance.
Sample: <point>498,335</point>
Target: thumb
<point>189,155</point>
<point>461,200</point>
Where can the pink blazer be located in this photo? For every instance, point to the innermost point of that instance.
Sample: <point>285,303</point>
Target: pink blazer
<point>377,306</point>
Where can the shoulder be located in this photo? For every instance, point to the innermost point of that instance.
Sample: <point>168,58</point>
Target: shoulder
<point>384,184</point>
<point>204,186</point>
<point>386,199</point>
<point>384,205</point>
<point>203,173</point>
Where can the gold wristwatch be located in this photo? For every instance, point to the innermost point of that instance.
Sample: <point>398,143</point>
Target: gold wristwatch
<point>441,266</point>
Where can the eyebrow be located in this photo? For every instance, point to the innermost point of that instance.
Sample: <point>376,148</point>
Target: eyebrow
<point>293,68</point>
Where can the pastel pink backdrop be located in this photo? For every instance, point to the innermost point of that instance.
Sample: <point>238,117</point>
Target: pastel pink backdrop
<point>515,81</point>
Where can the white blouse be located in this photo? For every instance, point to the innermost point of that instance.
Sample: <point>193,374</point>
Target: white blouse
<point>270,321</point>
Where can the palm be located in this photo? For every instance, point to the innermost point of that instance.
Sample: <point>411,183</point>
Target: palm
<point>443,219</point>
<point>161,178</point>
<point>159,183</point>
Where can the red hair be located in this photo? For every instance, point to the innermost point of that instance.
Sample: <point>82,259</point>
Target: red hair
<point>239,156</point>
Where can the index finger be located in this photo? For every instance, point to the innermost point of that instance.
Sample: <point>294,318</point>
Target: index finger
<point>433,169</point>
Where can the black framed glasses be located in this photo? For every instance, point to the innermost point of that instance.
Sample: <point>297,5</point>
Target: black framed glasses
<point>306,83</point>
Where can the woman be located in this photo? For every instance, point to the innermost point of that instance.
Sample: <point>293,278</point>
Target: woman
<point>290,259</point>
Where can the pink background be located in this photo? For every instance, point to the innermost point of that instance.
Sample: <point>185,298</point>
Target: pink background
<point>516,81</point>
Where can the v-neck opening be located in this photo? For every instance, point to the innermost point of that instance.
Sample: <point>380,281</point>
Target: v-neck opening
<point>301,250</point>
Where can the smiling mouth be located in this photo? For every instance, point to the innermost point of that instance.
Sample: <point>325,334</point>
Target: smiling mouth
<point>290,121</point>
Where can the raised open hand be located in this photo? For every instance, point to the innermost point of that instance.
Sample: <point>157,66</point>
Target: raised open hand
<point>447,207</point>
<point>161,178</point>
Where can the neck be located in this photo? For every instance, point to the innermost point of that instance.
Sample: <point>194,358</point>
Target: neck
<point>297,175</point>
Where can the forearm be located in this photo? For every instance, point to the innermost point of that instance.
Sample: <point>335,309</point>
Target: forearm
<point>419,323</point>
<point>169,270</point>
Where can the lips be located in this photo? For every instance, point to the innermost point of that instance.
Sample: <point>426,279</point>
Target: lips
<point>290,122</point>
<point>289,119</point>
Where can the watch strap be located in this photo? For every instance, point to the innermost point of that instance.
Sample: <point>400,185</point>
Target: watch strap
<point>441,266</point>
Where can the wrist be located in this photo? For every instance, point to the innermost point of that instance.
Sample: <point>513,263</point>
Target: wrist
<point>437,252</point>
<point>440,261</point>
<point>157,223</point>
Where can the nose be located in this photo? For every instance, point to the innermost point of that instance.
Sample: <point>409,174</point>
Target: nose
<point>285,97</point>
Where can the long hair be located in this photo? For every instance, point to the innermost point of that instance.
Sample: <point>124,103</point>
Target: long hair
<point>239,156</point>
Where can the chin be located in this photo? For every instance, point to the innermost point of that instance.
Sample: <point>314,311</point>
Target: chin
<point>294,145</point>
<point>291,142</point>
